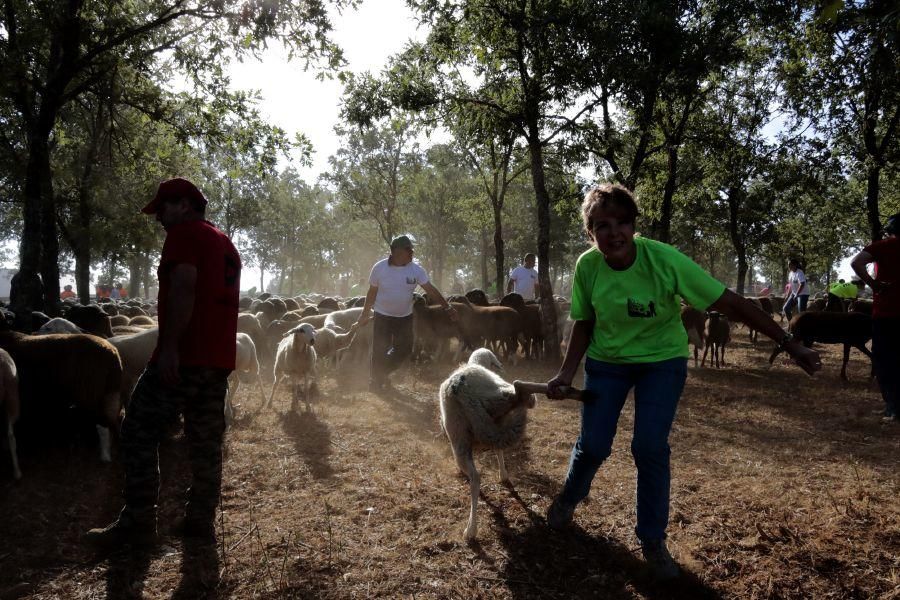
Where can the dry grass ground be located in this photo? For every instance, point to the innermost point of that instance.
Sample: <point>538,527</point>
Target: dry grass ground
<point>783,487</point>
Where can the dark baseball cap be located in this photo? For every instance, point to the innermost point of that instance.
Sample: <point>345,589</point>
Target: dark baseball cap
<point>173,189</point>
<point>892,224</point>
<point>401,241</point>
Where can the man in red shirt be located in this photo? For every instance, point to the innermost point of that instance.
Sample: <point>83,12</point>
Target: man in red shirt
<point>199,278</point>
<point>885,312</point>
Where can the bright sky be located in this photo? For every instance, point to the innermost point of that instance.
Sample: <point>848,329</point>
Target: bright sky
<point>298,102</point>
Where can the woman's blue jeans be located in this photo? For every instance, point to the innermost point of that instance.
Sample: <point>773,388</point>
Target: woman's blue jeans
<point>657,389</point>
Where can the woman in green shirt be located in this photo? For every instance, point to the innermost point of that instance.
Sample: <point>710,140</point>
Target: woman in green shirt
<point>626,304</point>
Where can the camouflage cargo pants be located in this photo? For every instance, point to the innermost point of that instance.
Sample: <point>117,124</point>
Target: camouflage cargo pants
<point>154,408</point>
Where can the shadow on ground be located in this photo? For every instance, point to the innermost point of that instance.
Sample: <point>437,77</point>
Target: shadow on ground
<point>312,441</point>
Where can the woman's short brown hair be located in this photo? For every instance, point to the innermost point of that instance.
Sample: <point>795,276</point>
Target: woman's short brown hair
<point>605,196</point>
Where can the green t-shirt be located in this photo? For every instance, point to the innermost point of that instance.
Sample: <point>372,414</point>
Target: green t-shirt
<point>844,290</point>
<point>637,312</point>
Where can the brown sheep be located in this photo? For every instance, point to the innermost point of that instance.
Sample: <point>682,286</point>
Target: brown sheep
<point>308,311</point>
<point>861,305</point>
<point>126,330</point>
<point>477,297</point>
<point>142,321</point>
<point>58,371</point>
<point>694,322</point>
<point>718,334</point>
<point>92,319</point>
<point>532,333</point>
<point>249,324</point>
<point>119,320</point>
<point>499,324</point>
<point>852,329</point>
<point>763,304</point>
<point>434,330</point>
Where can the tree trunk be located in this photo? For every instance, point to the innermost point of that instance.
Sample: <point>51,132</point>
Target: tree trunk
<point>664,225</point>
<point>872,189</point>
<point>548,307</point>
<point>26,291</point>
<point>81,245</point>
<point>500,259</point>
<point>134,275</point>
<point>743,267</point>
<point>485,278</point>
<point>147,268</point>
<point>740,249</point>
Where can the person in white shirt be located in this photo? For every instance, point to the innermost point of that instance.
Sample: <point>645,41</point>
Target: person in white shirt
<point>523,279</point>
<point>799,289</point>
<point>391,285</point>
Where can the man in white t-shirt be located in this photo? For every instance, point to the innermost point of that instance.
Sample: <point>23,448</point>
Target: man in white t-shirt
<point>799,295</point>
<point>523,279</point>
<point>391,285</point>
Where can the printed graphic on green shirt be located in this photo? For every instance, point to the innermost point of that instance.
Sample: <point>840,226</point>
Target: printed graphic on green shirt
<point>636,309</point>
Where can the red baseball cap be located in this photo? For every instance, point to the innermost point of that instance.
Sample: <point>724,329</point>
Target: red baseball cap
<point>173,189</point>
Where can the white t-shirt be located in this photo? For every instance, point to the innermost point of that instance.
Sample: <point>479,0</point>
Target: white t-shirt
<point>524,281</point>
<point>395,287</point>
<point>795,278</point>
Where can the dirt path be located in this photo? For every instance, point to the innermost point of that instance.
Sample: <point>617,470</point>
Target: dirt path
<point>783,487</point>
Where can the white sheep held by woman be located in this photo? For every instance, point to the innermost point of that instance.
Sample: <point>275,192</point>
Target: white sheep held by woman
<point>479,409</point>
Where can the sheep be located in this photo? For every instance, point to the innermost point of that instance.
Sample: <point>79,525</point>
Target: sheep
<point>861,305</point>
<point>817,305</point>
<point>530,315</point>
<point>58,325</point>
<point>118,320</point>
<point>328,305</point>
<point>477,297</point>
<point>479,409</point>
<point>296,360</point>
<point>245,361</point>
<point>499,324</point>
<point>763,304</point>
<point>91,319</point>
<point>852,329</point>
<point>487,359</point>
<point>80,370</point>
<point>353,362</point>
<point>135,350</point>
<point>694,322</point>
<point>249,324</point>
<point>142,321</point>
<point>317,321</point>
<point>9,399</point>
<point>308,311</point>
<point>718,334</point>
<point>121,330</point>
<point>329,341</point>
<point>433,330</point>
<point>274,334</point>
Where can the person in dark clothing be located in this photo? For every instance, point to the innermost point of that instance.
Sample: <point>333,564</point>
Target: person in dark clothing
<point>885,312</point>
<point>199,280</point>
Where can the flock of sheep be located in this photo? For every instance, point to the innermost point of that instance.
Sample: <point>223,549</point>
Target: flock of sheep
<point>92,356</point>
<point>848,323</point>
